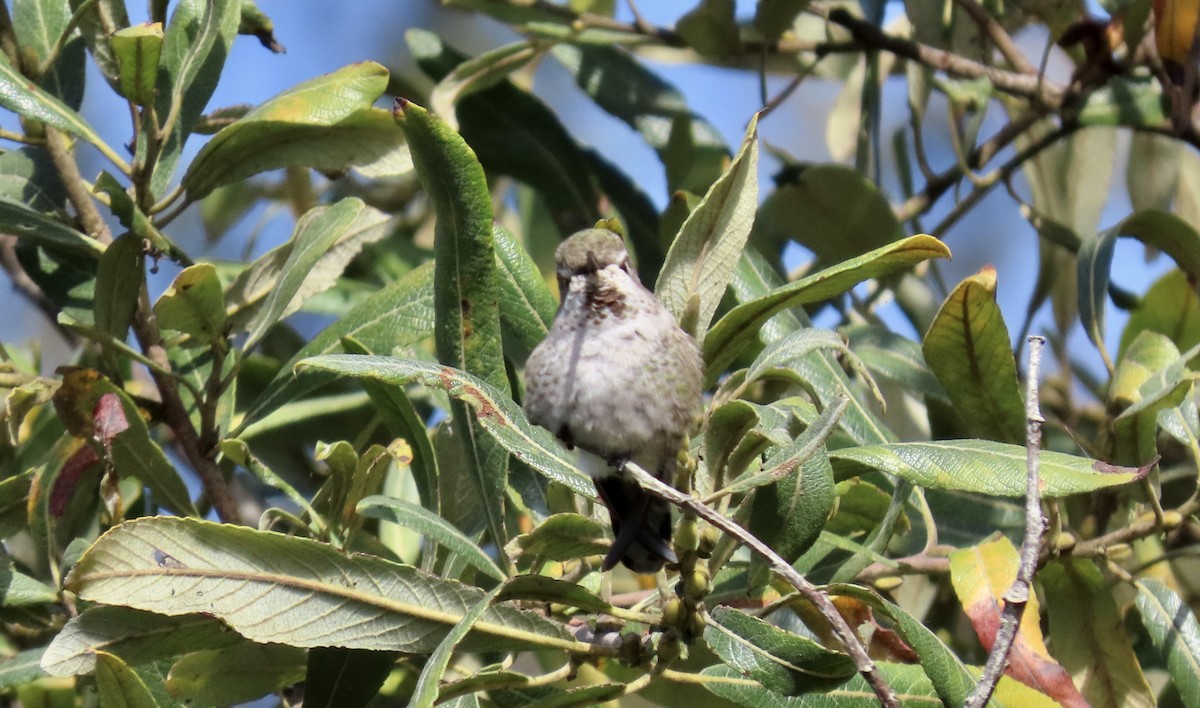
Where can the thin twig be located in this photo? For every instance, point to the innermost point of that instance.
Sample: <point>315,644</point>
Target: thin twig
<point>995,32</point>
<point>999,175</point>
<point>854,646</point>
<point>939,184</point>
<point>1017,596</point>
<point>30,289</point>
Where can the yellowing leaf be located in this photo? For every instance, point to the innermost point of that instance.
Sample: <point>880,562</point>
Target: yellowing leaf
<point>981,575</point>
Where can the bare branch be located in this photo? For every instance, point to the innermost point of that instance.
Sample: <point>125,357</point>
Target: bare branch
<point>1017,596</point>
<point>850,640</point>
<point>1013,83</point>
<point>77,192</point>
<point>999,37</point>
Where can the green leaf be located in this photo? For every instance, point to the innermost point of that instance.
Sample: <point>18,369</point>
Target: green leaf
<point>541,588</point>
<point>274,588</point>
<point>711,29</point>
<point>495,411</point>
<point>732,332</point>
<point>703,257</point>
<point>21,668</point>
<point>820,372</point>
<point>428,683</point>
<point>97,22</point>
<point>326,123</point>
<point>316,233</point>
<point>194,304</point>
<point>22,97</point>
<point>774,17</point>
<point>428,524</point>
<point>1176,635</point>
<point>561,537</point>
<point>477,74</point>
<point>782,661</point>
<point>345,677</point>
<point>690,148</point>
<point>784,358</point>
<point>983,466</point>
<point>514,133</point>
<point>32,227</point>
<point>119,278</point>
<point>235,675</point>
<point>832,210</point>
<point>239,453</point>
<point>788,515</point>
<point>893,357</point>
<point>1169,307</point>
<point>950,677</point>
<point>1089,637</point>
<point>970,352</point>
<point>39,26</point>
<point>137,50</point>
<point>466,308</point>
<point>196,44</point>
<point>908,681</point>
<point>398,413</point>
<point>28,176</point>
<point>119,685</point>
<point>20,590</point>
<point>1152,173</point>
<point>526,305</point>
<point>1159,229</point>
<point>135,636</point>
<point>399,315</point>
<point>785,461</point>
<point>1125,102</point>
<point>1152,377</point>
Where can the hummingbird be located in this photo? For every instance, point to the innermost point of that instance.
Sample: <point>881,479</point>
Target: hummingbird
<point>618,379</point>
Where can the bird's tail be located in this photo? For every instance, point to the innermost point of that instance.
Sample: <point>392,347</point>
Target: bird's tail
<point>641,526</point>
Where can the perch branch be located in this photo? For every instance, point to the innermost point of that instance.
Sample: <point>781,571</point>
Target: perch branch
<point>854,646</point>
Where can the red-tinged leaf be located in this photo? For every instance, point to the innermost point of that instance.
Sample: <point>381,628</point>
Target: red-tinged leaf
<point>981,575</point>
<point>108,418</point>
<point>884,641</point>
<point>68,478</point>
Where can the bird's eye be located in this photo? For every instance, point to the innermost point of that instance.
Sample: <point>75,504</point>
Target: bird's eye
<point>625,265</point>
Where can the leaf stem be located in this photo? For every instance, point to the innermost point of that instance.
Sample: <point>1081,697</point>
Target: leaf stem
<point>850,640</point>
<point>1016,598</point>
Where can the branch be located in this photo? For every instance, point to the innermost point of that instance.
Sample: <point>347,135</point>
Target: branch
<point>939,184</point>
<point>851,641</point>
<point>1001,174</point>
<point>77,192</point>
<point>923,563</point>
<point>30,289</point>
<point>1017,596</point>
<point>999,37</point>
<point>174,414</point>
<point>1017,84</point>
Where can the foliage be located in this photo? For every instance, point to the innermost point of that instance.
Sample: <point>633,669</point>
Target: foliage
<point>389,528</point>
